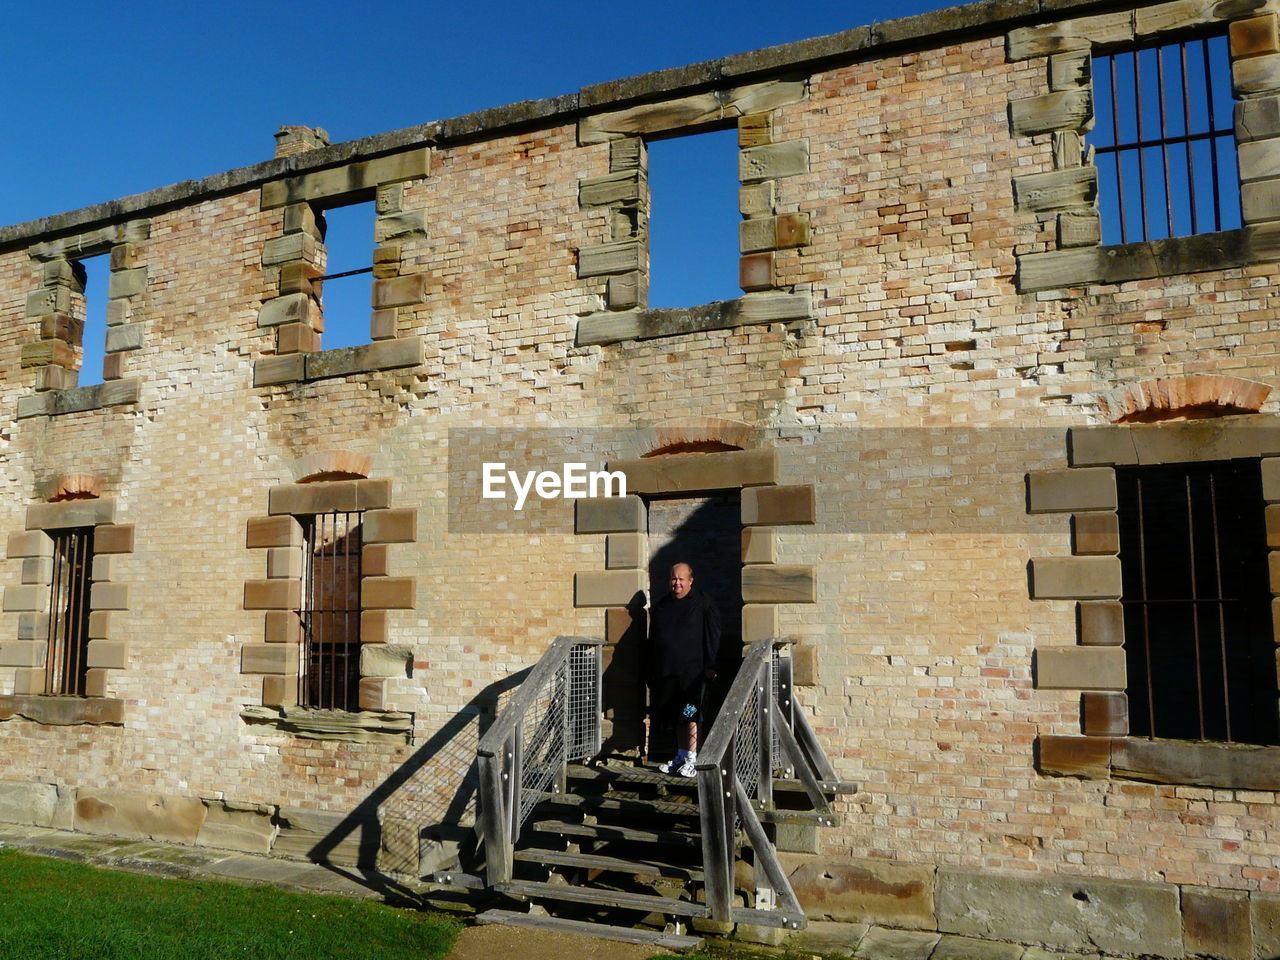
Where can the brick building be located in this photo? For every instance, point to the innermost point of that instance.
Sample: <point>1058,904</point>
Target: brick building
<point>1005,477</point>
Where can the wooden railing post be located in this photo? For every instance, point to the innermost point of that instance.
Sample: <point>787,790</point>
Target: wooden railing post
<point>494,821</point>
<point>716,814</point>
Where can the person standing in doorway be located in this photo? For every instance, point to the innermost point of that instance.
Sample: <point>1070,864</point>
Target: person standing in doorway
<point>684,635</point>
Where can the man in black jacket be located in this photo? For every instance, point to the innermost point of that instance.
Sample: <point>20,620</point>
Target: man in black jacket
<point>684,634</point>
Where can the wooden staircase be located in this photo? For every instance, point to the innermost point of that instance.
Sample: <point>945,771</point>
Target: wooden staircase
<point>618,855</point>
<point>627,852</point>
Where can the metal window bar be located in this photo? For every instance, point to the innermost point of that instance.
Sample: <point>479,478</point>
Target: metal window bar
<point>71,581</point>
<point>1187,681</point>
<point>1183,71</point>
<point>346,273</point>
<point>330,669</point>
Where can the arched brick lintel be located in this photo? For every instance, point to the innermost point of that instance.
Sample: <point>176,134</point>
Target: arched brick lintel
<point>698,435</point>
<point>332,465</point>
<point>1193,397</point>
<point>73,486</point>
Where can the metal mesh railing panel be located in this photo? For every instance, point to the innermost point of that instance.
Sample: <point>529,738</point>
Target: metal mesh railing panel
<point>543,739</point>
<point>584,702</point>
<point>746,738</point>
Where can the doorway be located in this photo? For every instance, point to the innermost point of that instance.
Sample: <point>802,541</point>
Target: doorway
<point>706,533</point>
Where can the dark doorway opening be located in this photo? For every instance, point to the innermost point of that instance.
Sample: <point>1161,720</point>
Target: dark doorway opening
<point>706,533</point>
<point>1197,602</point>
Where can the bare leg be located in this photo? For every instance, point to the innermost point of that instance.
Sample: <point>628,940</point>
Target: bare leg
<point>689,737</point>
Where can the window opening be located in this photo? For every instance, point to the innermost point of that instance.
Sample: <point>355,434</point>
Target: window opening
<point>347,284</point>
<point>94,274</point>
<point>1164,143</point>
<point>330,674</point>
<point>66,663</point>
<point>1197,602</point>
<point>693,219</point>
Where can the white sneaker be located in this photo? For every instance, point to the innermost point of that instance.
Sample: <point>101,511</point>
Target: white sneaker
<point>672,765</point>
<point>687,769</point>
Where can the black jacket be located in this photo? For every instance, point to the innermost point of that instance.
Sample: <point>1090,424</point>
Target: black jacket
<point>684,636</point>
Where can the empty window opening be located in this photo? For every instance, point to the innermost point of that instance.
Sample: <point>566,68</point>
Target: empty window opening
<point>330,673</point>
<point>72,580</point>
<point>1164,143</point>
<point>347,286</point>
<point>94,274</point>
<point>1197,602</point>
<point>693,219</point>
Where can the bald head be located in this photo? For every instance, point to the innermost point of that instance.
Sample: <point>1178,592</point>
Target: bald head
<point>681,581</point>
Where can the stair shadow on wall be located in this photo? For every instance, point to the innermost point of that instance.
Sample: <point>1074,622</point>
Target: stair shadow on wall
<point>421,806</point>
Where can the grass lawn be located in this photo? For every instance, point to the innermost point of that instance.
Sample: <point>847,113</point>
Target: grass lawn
<point>54,910</point>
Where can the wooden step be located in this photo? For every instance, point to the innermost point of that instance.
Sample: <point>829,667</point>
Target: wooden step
<point>596,861</point>
<point>603,831</point>
<point>650,775</point>
<point>668,941</point>
<point>608,898</point>
<point>622,805</point>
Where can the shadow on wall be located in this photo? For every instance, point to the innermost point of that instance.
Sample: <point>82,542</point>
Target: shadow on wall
<point>417,820</point>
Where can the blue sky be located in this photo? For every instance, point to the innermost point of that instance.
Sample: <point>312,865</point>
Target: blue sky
<point>101,100</point>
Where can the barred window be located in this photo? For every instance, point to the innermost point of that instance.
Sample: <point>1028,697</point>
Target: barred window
<point>1197,602</point>
<point>1164,143</point>
<point>71,582</point>
<point>330,672</point>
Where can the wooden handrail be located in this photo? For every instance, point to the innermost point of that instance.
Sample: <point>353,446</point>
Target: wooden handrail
<point>721,736</point>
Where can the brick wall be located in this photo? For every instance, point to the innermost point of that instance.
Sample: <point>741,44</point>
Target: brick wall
<point>916,398</point>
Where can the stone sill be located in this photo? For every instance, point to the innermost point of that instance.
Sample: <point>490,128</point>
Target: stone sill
<point>649,324</point>
<point>342,362</point>
<point>1233,766</point>
<point>53,403</point>
<point>364,726</point>
<point>1176,256</point>
<point>62,711</point>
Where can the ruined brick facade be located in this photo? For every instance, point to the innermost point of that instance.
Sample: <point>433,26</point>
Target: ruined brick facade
<point>921,327</point>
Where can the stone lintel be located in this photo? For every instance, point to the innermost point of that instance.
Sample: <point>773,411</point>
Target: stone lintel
<point>774,306</point>
<point>70,513</point>
<point>348,182</point>
<point>696,472</point>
